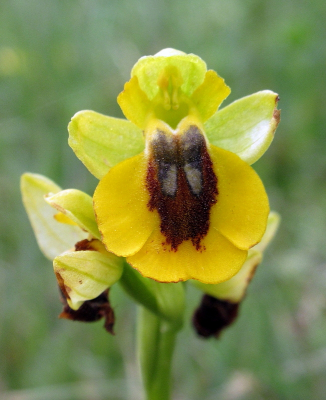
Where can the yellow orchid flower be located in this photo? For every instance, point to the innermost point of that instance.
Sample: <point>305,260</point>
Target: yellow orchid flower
<point>184,204</point>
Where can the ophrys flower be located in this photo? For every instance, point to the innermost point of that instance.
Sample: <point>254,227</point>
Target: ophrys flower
<point>183,207</point>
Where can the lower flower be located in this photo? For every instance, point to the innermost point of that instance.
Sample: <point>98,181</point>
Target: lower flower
<point>84,269</point>
<point>213,315</point>
<point>220,304</point>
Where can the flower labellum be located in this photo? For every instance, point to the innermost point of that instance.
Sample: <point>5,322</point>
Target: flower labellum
<point>182,185</point>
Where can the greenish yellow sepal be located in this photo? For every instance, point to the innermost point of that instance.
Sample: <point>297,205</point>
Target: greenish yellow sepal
<point>77,206</point>
<point>209,95</point>
<point>52,236</point>
<point>84,275</point>
<point>246,127</point>
<point>101,142</point>
<point>149,69</point>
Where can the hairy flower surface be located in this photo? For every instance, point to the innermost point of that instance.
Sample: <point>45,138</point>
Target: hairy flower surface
<point>177,195</point>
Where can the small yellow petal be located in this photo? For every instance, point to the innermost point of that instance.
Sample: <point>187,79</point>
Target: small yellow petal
<point>210,94</point>
<point>120,203</point>
<point>77,206</point>
<point>64,219</point>
<point>242,208</point>
<point>217,261</point>
<point>134,103</point>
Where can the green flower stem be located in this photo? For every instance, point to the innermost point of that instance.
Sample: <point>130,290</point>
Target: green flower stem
<point>165,300</point>
<point>156,342</point>
<point>139,288</point>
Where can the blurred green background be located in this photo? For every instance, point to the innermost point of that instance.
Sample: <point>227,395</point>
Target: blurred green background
<point>58,57</point>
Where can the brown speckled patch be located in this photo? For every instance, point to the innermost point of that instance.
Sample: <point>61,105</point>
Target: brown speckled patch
<point>85,245</point>
<point>182,186</point>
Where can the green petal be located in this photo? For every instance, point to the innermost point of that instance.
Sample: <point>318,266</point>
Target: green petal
<point>52,237</point>
<point>78,206</point>
<point>235,288</point>
<point>148,70</point>
<point>84,275</point>
<point>245,127</point>
<point>101,142</point>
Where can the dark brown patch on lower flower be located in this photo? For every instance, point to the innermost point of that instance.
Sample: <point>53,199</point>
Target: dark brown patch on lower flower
<point>182,186</point>
<point>214,315</point>
<point>85,245</point>
<point>91,311</point>
<point>63,288</point>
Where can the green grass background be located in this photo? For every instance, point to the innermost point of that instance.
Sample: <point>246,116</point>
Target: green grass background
<point>58,57</point>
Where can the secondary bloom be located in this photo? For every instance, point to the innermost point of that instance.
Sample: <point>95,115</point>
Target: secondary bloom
<point>185,204</point>
<point>65,228</point>
<point>220,304</point>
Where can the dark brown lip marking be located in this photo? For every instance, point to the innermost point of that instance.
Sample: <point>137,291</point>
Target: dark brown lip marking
<point>182,186</point>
